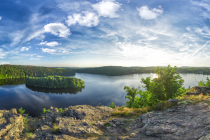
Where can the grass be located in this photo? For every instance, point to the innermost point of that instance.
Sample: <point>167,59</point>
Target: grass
<point>196,98</point>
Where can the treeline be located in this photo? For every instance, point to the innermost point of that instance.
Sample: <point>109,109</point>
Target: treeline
<point>116,70</point>
<point>18,71</point>
<point>119,70</point>
<point>55,82</point>
<point>205,71</point>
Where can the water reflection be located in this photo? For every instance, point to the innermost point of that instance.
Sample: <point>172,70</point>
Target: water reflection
<point>13,81</point>
<point>55,91</point>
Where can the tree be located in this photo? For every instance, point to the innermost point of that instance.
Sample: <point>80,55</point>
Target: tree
<point>166,86</point>
<point>131,94</point>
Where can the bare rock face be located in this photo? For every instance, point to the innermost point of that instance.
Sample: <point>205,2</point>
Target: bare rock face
<point>187,122</point>
<point>84,122</point>
<point>11,124</point>
<point>196,90</point>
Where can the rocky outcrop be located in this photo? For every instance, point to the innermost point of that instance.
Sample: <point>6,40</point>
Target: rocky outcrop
<point>196,90</point>
<point>11,124</point>
<point>182,121</point>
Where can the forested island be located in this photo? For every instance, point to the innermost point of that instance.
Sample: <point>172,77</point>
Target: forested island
<point>55,81</point>
<point>19,71</point>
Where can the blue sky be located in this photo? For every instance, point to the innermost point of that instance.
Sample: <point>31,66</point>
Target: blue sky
<point>79,33</point>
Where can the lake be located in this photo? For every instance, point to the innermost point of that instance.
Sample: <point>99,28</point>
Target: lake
<point>98,89</point>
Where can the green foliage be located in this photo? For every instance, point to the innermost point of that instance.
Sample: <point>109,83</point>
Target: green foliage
<point>116,70</point>
<point>168,85</point>
<point>112,105</point>
<point>144,100</point>
<point>21,111</point>
<point>61,110</point>
<point>17,71</point>
<point>45,111</point>
<point>55,81</point>
<point>131,94</point>
<point>203,83</point>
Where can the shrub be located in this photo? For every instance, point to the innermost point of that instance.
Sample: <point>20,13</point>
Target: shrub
<point>61,110</point>
<point>21,111</point>
<point>44,110</point>
<point>112,105</point>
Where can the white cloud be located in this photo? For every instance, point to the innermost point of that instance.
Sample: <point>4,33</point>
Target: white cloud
<point>147,14</point>
<point>107,8</point>
<point>63,57</point>
<point>88,19</point>
<point>51,44</point>
<point>0,17</point>
<point>24,49</point>
<point>52,51</point>
<point>57,29</point>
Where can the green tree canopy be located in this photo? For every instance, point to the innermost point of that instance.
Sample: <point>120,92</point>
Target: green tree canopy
<point>166,86</point>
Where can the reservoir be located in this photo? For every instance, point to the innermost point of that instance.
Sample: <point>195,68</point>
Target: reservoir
<point>99,90</point>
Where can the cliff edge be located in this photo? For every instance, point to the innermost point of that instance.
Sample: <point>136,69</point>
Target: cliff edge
<point>187,120</point>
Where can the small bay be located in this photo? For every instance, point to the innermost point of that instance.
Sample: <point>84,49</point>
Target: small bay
<point>98,89</point>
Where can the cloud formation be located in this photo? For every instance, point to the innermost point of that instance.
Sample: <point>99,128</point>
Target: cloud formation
<point>149,14</point>
<point>57,29</point>
<point>0,17</point>
<point>107,8</point>
<point>24,49</point>
<point>46,50</point>
<point>88,19</point>
<point>51,44</point>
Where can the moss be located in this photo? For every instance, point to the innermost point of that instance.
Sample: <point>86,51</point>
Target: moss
<point>28,134</point>
<point>55,128</point>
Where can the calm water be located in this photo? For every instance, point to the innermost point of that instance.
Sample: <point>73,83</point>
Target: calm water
<point>98,88</point>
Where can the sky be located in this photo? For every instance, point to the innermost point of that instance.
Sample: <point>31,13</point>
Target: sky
<point>94,33</point>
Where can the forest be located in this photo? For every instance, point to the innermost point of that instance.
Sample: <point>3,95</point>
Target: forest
<point>18,71</point>
<point>119,70</point>
<point>55,81</point>
<point>204,71</point>
<point>116,70</point>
